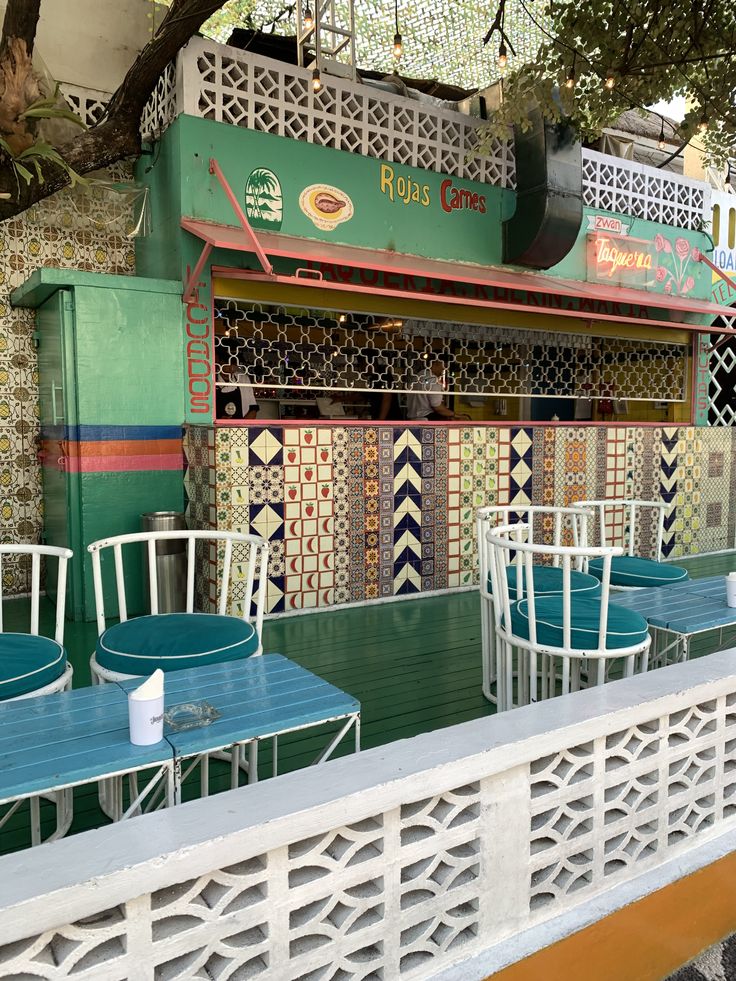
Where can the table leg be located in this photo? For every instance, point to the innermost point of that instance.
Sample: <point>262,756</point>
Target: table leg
<point>35,804</point>
<point>172,796</point>
<point>357,733</point>
<point>253,761</point>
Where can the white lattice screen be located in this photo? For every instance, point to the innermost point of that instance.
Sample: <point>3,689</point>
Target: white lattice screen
<point>283,348</point>
<point>629,188</point>
<point>722,381</point>
<point>233,86</point>
<point>88,104</point>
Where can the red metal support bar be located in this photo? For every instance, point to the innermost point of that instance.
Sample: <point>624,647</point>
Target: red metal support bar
<point>191,284</point>
<point>242,217</point>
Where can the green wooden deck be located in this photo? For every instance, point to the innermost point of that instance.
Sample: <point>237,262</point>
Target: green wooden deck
<point>413,664</point>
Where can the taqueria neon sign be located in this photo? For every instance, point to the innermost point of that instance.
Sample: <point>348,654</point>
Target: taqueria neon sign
<point>614,258</point>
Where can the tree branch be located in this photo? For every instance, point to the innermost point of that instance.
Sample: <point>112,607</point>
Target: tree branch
<point>21,20</point>
<point>116,136</point>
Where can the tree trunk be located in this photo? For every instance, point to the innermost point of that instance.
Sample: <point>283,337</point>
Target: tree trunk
<point>116,136</point>
<point>21,20</point>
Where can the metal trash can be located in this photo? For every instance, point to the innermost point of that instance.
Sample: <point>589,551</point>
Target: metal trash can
<point>171,561</point>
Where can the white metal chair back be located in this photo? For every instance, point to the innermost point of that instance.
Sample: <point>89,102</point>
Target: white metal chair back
<point>504,540</point>
<point>36,552</point>
<point>257,565</point>
<point>631,513</point>
<point>573,519</point>
<point>530,669</point>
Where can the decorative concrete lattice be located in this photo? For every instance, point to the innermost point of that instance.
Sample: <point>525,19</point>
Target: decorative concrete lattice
<point>722,381</point>
<point>613,184</point>
<point>88,104</point>
<point>307,350</point>
<point>161,108</point>
<point>318,907</point>
<point>618,802</point>
<point>233,86</point>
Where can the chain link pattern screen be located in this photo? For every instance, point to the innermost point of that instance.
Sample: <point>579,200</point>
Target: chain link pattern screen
<point>298,349</point>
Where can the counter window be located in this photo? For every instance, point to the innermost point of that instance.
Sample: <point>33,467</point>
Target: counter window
<point>286,362</point>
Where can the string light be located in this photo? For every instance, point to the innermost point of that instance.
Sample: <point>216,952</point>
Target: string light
<point>661,145</point>
<point>503,58</point>
<point>316,80</point>
<point>703,124</point>
<point>610,81</point>
<point>570,80</point>
<point>308,19</point>
<point>398,46</point>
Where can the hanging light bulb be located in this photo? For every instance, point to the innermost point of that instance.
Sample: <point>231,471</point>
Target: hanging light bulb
<point>316,80</point>
<point>571,79</point>
<point>703,124</point>
<point>661,145</point>
<point>503,58</point>
<point>610,81</point>
<point>398,47</point>
<point>308,18</point>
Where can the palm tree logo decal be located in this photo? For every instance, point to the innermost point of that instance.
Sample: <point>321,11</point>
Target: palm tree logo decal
<point>264,203</point>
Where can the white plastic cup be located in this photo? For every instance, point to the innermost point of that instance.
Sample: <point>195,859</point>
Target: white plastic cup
<point>146,718</point>
<point>731,589</point>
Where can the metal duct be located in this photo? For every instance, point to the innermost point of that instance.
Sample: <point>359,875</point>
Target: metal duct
<point>549,195</point>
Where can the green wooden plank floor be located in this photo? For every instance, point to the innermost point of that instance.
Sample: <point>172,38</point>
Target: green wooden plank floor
<point>413,664</point>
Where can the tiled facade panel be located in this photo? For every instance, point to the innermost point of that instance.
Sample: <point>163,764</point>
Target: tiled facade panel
<point>80,229</point>
<point>360,513</point>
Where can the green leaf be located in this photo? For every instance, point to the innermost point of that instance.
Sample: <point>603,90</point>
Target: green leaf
<point>53,112</point>
<point>23,172</point>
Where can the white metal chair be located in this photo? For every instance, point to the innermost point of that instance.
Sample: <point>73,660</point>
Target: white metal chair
<point>32,665</point>
<point>555,644</point>
<point>631,571</point>
<point>548,579</point>
<point>174,641</point>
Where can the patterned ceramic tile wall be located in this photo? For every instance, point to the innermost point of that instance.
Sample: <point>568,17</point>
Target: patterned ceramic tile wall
<point>80,229</point>
<point>357,513</point>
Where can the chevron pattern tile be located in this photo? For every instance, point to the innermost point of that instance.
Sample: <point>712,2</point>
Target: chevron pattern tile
<point>407,487</point>
<point>668,486</point>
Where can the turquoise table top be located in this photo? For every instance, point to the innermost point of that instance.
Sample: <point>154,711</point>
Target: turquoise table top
<point>688,607</point>
<point>76,737</point>
<point>68,738</point>
<point>256,697</point>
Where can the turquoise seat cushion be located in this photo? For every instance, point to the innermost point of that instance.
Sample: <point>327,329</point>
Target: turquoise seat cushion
<point>629,570</point>
<point>547,581</point>
<point>174,641</point>
<point>625,627</point>
<point>28,663</point>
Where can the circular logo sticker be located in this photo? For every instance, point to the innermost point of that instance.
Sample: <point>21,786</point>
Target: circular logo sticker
<point>325,206</point>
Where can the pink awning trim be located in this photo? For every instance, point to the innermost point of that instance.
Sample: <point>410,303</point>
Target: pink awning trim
<point>229,237</point>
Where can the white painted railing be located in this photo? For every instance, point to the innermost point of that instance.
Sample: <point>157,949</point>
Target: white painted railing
<point>431,856</point>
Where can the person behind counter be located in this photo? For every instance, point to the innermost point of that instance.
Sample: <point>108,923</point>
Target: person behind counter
<point>384,403</point>
<point>236,400</point>
<point>429,403</point>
